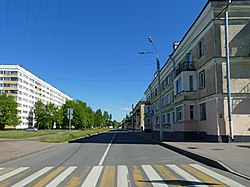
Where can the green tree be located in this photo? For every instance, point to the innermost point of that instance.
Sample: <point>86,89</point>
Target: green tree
<point>98,118</point>
<point>59,117</point>
<point>115,124</point>
<point>8,111</point>
<point>50,111</point>
<point>106,118</point>
<point>40,113</point>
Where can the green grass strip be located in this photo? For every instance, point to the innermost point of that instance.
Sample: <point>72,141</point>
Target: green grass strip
<point>71,135</point>
<point>20,134</point>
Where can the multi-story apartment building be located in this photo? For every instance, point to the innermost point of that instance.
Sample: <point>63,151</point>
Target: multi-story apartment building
<point>138,116</point>
<point>193,80</point>
<point>27,89</point>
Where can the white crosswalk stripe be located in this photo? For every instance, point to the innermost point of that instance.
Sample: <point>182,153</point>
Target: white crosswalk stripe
<point>153,175</point>
<point>215,175</point>
<point>155,179</point>
<point>12,173</point>
<point>32,177</point>
<point>61,177</point>
<point>93,177</point>
<point>185,175</point>
<point>122,179</point>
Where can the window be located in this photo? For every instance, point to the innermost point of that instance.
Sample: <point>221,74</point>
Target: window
<point>203,111</point>
<point>167,80</point>
<point>157,120</point>
<point>178,86</point>
<point>163,118</point>
<point>201,48</point>
<point>178,113</point>
<point>162,84</point>
<point>156,92</point>
<point>191,112</point>
<point>202,79</point>
<point>157,106</point>
<point>168,118</point>
<point>191,83</point>
<point>168,101</point>
<point>190,56</point>
<point>162,101</point>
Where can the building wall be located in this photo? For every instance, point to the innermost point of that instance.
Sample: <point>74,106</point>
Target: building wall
<point>214,95</point>
<point>27,89</point>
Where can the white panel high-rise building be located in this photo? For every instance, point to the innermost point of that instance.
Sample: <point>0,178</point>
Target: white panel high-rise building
<point>27,89</point>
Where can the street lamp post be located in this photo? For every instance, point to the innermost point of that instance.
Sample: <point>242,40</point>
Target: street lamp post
<point>159,85</point>
<point>228,74</point>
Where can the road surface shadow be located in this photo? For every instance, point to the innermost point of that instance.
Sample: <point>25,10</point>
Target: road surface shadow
<point>179,182</point>
<point>121,137</point>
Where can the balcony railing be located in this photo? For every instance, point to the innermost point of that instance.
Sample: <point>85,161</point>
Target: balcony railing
<point>185,66</point>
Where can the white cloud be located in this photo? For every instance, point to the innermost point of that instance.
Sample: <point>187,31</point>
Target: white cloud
<point>125,109</point>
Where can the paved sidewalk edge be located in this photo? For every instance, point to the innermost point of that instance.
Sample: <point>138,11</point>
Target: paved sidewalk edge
<point>203,159</point>
<point>200,158</point>
<point>27,154</point>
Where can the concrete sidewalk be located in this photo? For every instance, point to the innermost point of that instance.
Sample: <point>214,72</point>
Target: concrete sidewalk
<point>231,157</point>
<point>16,148</point>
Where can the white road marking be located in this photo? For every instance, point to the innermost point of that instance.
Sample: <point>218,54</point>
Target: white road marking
<point>122,179</point>
<point>12,173</point>
<point>217,176</point>
<point>155,179</point>
<point>61,177</point>
<point>185,175</point>
<point>106,152</point>
<point>32,177</point>
<point>93,177</point>
<point>1,168</point>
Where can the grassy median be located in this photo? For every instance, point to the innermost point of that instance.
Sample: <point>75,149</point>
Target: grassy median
<point>52,136</point>
<point>71,135</point>
<point>20,134</point>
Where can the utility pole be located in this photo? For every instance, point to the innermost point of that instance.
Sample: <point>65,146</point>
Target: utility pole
<point>228,74</point>
<point>132,120</point>
<point>159,87</point>
<point>159,84</point>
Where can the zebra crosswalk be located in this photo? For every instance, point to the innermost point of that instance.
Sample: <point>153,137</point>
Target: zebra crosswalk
<point>110,176</point>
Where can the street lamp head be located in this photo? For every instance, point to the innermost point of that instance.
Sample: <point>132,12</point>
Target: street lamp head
<point>141,52</point>
<point>150,39</point>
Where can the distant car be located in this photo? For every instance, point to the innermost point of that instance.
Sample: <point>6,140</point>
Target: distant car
<point>31,129</point>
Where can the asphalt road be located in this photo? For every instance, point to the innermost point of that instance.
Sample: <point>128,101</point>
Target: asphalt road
<point>115,158</point>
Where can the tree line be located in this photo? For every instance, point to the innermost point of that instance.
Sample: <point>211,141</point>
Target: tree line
<point>49,116</point>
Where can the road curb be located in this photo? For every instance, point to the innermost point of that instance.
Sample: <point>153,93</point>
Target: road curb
<point>200,158</point>
<point>89,136</point>
<point>203,159</point>
<point>78,139</point>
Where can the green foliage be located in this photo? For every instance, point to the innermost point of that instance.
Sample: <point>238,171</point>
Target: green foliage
<point>98,119</point>
<point>83,116</point>
<point>47,116</point>
<point>115,124</point>
<point>8,111</point>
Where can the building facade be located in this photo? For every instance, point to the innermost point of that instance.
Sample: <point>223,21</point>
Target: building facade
<point>193,80</point>
<point>27,89</point>
<point>138,116</point>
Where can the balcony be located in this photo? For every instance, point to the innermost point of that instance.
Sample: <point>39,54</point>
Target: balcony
<point>185,66</point>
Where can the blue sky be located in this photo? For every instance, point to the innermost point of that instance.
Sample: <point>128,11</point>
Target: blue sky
<point>89,48</point>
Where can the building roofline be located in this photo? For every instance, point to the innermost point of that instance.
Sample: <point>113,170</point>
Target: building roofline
<point>205,6</point>
<point>20,66</point>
